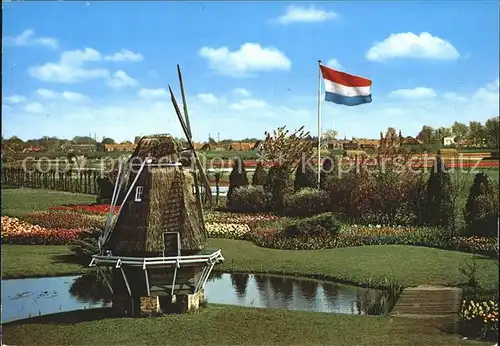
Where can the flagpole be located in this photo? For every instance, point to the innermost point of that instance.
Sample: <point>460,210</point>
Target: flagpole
<point>319,124</point>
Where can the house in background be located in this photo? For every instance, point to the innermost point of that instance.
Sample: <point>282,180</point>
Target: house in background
<point>241,146</point>
<point>448,141</point>
<point>119,147</point>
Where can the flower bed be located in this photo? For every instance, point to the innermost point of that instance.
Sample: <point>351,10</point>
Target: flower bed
<point>15,231</point>
<point>479,318</point>
<point>271,235</point>
<point>100,209</point>
<point>233,218</point>
<point>227,230</point>
<point>65,220</point>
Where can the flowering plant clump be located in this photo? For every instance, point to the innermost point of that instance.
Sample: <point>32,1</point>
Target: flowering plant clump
<point>224,217</point>
<point>479,318</point>
<point>480,245</point>
<point>65,220</point>
<point>15,231</point>
<point>85,208</point>
<point>227,230</point>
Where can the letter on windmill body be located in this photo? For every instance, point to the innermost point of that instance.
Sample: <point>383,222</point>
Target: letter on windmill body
<point>345,89</point>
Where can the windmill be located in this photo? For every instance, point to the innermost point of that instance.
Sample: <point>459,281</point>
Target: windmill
<point>155,241</point>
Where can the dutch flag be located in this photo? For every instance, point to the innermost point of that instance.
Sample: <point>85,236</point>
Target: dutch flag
<point>345,89</point>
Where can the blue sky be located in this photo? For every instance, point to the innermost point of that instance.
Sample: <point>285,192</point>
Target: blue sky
<point>104,67</point>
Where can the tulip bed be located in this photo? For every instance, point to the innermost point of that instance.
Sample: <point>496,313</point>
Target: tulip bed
<point>100,209</point>
<point>61,224</point>
<point>479,318</point>
<point>15,231</point>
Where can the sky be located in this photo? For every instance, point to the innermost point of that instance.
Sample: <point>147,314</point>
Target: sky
<point>104,68</point>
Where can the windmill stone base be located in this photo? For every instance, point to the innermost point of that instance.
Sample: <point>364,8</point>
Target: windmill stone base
<point>124,305</point>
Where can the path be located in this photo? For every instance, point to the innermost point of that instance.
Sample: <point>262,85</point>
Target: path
<point>428,302</point>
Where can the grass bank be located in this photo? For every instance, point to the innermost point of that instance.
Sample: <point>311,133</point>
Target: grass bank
<point>408,265</point>
<point>19,202</point>
<point>228,325</point>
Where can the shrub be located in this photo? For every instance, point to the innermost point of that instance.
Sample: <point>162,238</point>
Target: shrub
<point>260,175</point>
<point>351,194</point>
<point>249,199</point>
<point>65,220</point>
<point>439,206</point>
<point>306,202</point>
<point>305,177</point>
<point>279,185</point>
<point>86,243</point>
<point>320,225</point>
<point>328,171</point>
<point>481,209</point>
<point>237,177</point>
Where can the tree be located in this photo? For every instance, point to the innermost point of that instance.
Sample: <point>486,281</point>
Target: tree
<point>211,140</point>
<point>328,172</point>
<point>438,208</point>
<point>137,139</point>
<point>305,176</point>
<point>480,206</point>
<point>427,135</point>
<point>260,175</point>
<point>492,132</point>
<point>107,140</point>
<point>83,140</point>
<point>237,177</point>
<point>285,148</point>
<point>279,184</point>
<point>476,133</point>
<point>126,142</point>
<point>329,135</point>
<point>460,130</point>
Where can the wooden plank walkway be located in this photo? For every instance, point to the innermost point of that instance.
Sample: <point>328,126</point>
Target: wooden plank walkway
<point>428,302</point>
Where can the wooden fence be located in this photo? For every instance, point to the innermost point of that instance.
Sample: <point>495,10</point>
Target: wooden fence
<point>77,181</point>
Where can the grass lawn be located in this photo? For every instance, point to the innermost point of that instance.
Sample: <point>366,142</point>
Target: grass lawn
<point>37,260</point>
<point>408,265</point>
<point>18,202</point>
<point>227,325</point>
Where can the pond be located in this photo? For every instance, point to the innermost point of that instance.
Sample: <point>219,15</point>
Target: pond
<point>23,298</point>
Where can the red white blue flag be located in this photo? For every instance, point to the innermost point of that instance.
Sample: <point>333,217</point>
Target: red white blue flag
<point>345,89</point>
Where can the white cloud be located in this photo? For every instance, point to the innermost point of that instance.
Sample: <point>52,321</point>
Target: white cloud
<point>248,104</point>
<point>66,95</point>
<point>125,55</point>
<point>415,93</point>
<point>34,107</point>
<point>335,64</point>
<point>299,14</point>
<point>120,79</point>
<point>410,45</point>
<point>70,68</point>
<point>251,57</point>
<point>208,98</point>
<point>241,92</point>
<point>15,99</point>
<point>452,96</point>
<point>28,38</point>
<point>152,93</point>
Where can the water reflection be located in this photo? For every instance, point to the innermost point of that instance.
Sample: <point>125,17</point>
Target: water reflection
<point>22,298</point>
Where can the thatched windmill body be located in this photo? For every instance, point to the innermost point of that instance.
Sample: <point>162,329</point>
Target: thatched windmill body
<point>155,242</point>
